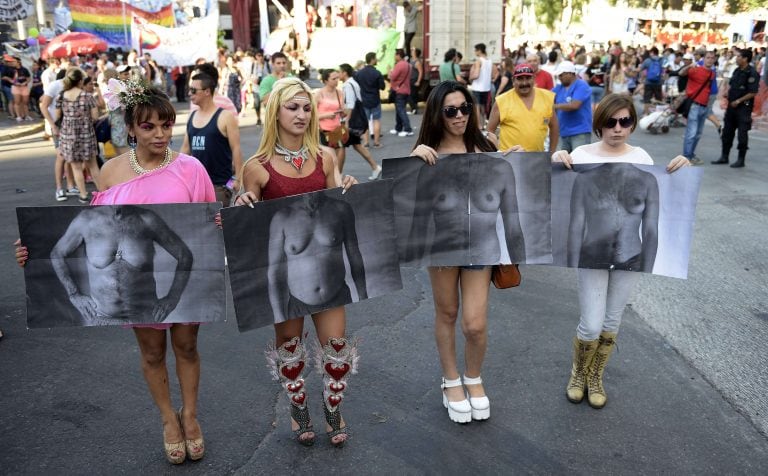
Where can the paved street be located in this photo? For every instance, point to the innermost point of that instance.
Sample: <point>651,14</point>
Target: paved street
<point>688,389</point>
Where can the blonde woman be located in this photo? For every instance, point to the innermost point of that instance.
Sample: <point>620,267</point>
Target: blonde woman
<point>290,161</point>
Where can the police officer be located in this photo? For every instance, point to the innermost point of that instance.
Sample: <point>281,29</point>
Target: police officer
<point>741,90</point>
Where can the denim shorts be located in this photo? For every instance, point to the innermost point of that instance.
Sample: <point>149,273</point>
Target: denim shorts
<point>475,267</point>
<point>373,113</point>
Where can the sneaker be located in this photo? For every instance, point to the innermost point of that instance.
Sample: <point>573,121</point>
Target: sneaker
<point>73,192</point>
<point>405,134</point>
<point>61,195</point>
<point>19,119</point>
<point>394,131</point>
<point>410,113</point>
<point>695,161</point>
<point>86,199</point>
<point>28,118</point>
<point>376,173</point>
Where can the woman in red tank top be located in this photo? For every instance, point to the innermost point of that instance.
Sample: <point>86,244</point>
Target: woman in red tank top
<point>291,161</point>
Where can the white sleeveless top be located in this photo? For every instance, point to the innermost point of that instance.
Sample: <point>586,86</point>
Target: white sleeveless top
<point>636,155</point>
<point>483,82</point>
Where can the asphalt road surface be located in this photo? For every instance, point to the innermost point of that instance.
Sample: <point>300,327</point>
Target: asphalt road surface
<point>688,389</point>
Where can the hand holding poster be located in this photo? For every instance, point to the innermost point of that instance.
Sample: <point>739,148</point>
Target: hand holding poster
<point>126,264</point>
<point>472,209</point>
<point>300,255</point>
<point>624,216</point>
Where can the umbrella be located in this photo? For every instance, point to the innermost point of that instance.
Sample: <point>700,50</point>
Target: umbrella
<point>72,44</point>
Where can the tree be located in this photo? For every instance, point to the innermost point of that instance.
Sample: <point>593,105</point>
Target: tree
<point>559,13</point>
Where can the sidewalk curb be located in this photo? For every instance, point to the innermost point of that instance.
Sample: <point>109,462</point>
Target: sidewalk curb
<point>23,133</point>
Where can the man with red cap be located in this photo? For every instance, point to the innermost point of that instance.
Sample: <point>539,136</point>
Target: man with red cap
<point>526,114</point>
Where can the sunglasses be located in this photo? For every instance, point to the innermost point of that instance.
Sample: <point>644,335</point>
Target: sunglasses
<point>194,90</point>
<point>624,122</point>
<point>453,111</point>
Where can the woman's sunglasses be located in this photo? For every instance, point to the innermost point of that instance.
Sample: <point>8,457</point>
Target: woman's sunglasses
<point>624,122</point>
<point>453,111</point>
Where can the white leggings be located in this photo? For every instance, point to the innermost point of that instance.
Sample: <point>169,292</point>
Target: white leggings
<point>603,295</point>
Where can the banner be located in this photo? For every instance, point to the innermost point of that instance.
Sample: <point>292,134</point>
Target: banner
<point>622,216</point>
<point>472,209</point>
<point>295,256</point>
<point>12,10</point>
<point>171,46</point>
<point>110,19</point>
<point>125,264</point>
<point>333,46</point>
<point>27,55</point>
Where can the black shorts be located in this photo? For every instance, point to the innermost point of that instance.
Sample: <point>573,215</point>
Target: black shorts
<point>651,90</point>
<point>353,140</point>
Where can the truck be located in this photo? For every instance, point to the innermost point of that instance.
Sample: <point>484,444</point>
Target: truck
<point>461,24</point>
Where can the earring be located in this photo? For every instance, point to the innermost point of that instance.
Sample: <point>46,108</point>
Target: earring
<point>132,141</point>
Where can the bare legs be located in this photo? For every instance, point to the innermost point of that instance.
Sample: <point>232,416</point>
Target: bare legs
<point>78,169</point>
<point>60,168</point>
<point>447,283</point>
<point>152,344</point>
<point>366,155</point>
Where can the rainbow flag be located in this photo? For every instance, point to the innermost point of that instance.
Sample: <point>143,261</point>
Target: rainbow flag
<point>105,18</point>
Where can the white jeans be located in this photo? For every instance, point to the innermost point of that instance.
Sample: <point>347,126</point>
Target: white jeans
<point>603,295</point>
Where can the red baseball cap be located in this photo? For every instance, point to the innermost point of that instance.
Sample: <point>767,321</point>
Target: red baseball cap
<point>523,69</point>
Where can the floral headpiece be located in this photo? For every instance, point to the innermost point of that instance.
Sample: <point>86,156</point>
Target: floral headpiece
<point>126,94</point>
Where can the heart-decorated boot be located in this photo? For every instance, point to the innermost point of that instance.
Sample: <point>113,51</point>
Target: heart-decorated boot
<point>287,364</point>
<point>338,360</point>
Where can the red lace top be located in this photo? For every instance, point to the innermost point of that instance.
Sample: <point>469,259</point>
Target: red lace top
<point>280,186</point>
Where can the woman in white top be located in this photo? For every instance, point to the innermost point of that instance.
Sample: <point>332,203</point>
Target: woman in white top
<point>603,293</point>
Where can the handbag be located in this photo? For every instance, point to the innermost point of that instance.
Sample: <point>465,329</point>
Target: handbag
<point>505,276</point>
<point>103,130</point>
<point>683,103</point>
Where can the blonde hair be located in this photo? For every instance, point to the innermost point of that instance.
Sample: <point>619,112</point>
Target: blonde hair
<point>282,92</point>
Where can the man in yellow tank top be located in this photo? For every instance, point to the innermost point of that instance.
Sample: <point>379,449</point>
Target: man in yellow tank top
<point>526,114</point>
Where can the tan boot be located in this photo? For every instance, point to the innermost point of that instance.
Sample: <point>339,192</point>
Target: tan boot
<point>597,397</point>
<point>583,352</point>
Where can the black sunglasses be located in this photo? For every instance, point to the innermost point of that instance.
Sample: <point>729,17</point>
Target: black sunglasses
<point>453,111</point>
<point>624,122</point>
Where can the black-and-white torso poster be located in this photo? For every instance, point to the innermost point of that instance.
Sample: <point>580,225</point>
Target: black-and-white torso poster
<point>295,256</point>
<point>472,209</point>
<point>624,216</point>
<point>123,264</point>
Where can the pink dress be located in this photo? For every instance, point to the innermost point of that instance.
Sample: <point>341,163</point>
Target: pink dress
<point>183,181</point>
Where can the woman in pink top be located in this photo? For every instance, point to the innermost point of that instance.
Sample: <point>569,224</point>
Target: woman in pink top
<point>151,173</point>
<point>330,112</point>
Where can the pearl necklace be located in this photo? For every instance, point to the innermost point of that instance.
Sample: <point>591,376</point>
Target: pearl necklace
<point>295,158</point>
<point>134,162</point>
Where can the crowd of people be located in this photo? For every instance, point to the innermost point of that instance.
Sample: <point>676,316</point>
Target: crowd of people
<point>662,78</point>
<point>539,102</point>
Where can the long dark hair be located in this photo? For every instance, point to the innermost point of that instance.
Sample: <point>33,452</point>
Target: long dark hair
<point>433,128</point>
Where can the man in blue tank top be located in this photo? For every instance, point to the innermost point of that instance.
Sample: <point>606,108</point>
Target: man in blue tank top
<point>212,134</point>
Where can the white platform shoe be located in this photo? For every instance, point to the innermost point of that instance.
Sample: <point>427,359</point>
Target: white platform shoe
<point>481,406</point>
<point>461,411</point>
